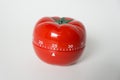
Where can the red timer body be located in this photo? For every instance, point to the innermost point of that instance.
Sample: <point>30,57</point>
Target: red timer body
<point>59,41</point>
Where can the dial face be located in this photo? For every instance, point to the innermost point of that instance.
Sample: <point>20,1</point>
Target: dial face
<point>53,35</point>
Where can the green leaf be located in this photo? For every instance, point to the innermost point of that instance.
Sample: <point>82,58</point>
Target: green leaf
<point>62,20</point>
<point>67,21</point>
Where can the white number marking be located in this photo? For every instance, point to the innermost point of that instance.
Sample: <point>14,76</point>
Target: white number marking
<point>70,46</point>
<point>40,42</point>
<point>54,45</point>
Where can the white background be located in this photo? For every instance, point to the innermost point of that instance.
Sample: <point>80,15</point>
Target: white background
<point>101,58</point>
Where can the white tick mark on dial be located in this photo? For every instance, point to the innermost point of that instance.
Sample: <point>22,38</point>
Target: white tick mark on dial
<point>82,44</point>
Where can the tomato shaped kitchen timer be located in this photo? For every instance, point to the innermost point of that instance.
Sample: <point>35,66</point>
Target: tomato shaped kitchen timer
<point>59,41</point>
